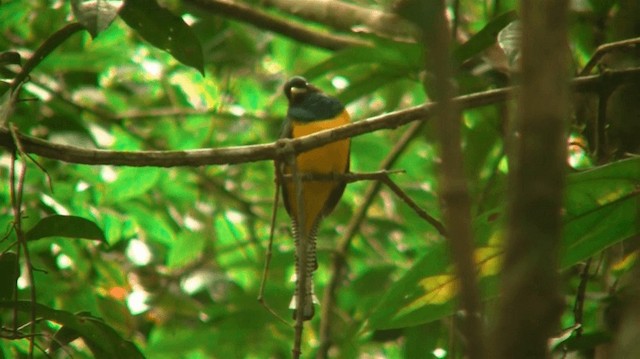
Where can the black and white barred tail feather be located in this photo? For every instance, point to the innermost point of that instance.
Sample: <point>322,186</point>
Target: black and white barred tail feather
<point>312,265</point>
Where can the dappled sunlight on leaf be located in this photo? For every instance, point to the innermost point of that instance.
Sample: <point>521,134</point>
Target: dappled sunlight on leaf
<point>438,289</point>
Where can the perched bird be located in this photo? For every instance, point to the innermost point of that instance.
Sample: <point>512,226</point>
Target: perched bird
<point>310,111</point>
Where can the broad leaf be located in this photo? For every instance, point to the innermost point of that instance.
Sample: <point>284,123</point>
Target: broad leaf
<point>8,274</point>
<point>164,30</point>
<point>387,57</point>
<point>65,226</point>
<point>601,209</point>
<point>103,341</point>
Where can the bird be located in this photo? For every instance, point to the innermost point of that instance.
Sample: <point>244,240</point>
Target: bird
<point>310,110</point>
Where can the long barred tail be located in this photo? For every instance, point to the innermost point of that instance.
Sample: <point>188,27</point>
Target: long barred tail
<point>312,265</point>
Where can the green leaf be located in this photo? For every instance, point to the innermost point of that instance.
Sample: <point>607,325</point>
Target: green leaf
<point>96,15</point>
<point>597,230</point>
<point>366,86</point>
<point>599,186</point>
<point>389,57</point>
<point>602,7</point>
<point>186,249</point>
<point>103,341</point>
<point>8,274</point>
<point>587,341</point>
<point>65,226</point>
<point>406,293</point>
<point>164,30</point>
<point>154,223</point>
<point>601,209</point>
<point>131,183</point>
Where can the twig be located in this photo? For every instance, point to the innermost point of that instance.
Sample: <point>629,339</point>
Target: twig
<point>414,206</point>
<point>601,142</point>
<point>578,307</point>
<point>16,192</point>
<point>269,253</point>
<point>603,50</point>
<point>344,177</point>
<point>301,260</point>
<point>44,50</point>
<point>12,195</point>
<point>283,147</point>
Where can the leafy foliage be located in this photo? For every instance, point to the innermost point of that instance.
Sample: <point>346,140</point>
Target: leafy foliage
<point>174,259</point>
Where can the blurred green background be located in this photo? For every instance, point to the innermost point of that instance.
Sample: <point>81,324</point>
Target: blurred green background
<point>178,272</point>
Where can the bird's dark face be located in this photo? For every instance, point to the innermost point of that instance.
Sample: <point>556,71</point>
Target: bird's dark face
<point>297,88</point>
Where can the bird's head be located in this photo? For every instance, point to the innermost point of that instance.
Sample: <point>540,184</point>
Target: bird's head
<point>297,88</point>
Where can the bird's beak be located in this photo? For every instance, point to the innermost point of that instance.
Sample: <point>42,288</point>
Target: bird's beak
<point>298,90</point>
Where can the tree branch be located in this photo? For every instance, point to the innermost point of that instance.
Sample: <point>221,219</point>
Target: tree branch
<point>349,17</point>
<point>414,206</point>
<point>44,50</point>
<point>283,147</point>
<point>266,21</point>
<point>602,50</point>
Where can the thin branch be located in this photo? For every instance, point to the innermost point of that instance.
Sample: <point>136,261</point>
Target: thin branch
<point>44,50</point>
<point>266,21</point>
<point>301,243</point>
<point>414,206</point>
<point>601,143</point>
<point>282,147</point>
<point>268,255</point>
<point>344,177</point>
<point>578,306</point>
<point>16,190</point>
<point>605,49</point>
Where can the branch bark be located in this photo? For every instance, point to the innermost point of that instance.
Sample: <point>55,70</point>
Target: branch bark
<point>263,20</point>
<point>349,17</point>
<point>453,192</point>
<point>282,148</point>
<point>531,305</point>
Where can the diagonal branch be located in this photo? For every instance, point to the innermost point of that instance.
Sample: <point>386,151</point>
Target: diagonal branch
<point>263,20</point>
<point>349,17</point>
<point>414,206</point>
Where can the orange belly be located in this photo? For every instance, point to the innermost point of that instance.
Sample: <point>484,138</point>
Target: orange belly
<point>330,158</point>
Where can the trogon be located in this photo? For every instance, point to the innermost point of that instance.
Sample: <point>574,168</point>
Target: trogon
<point>310,110</point>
